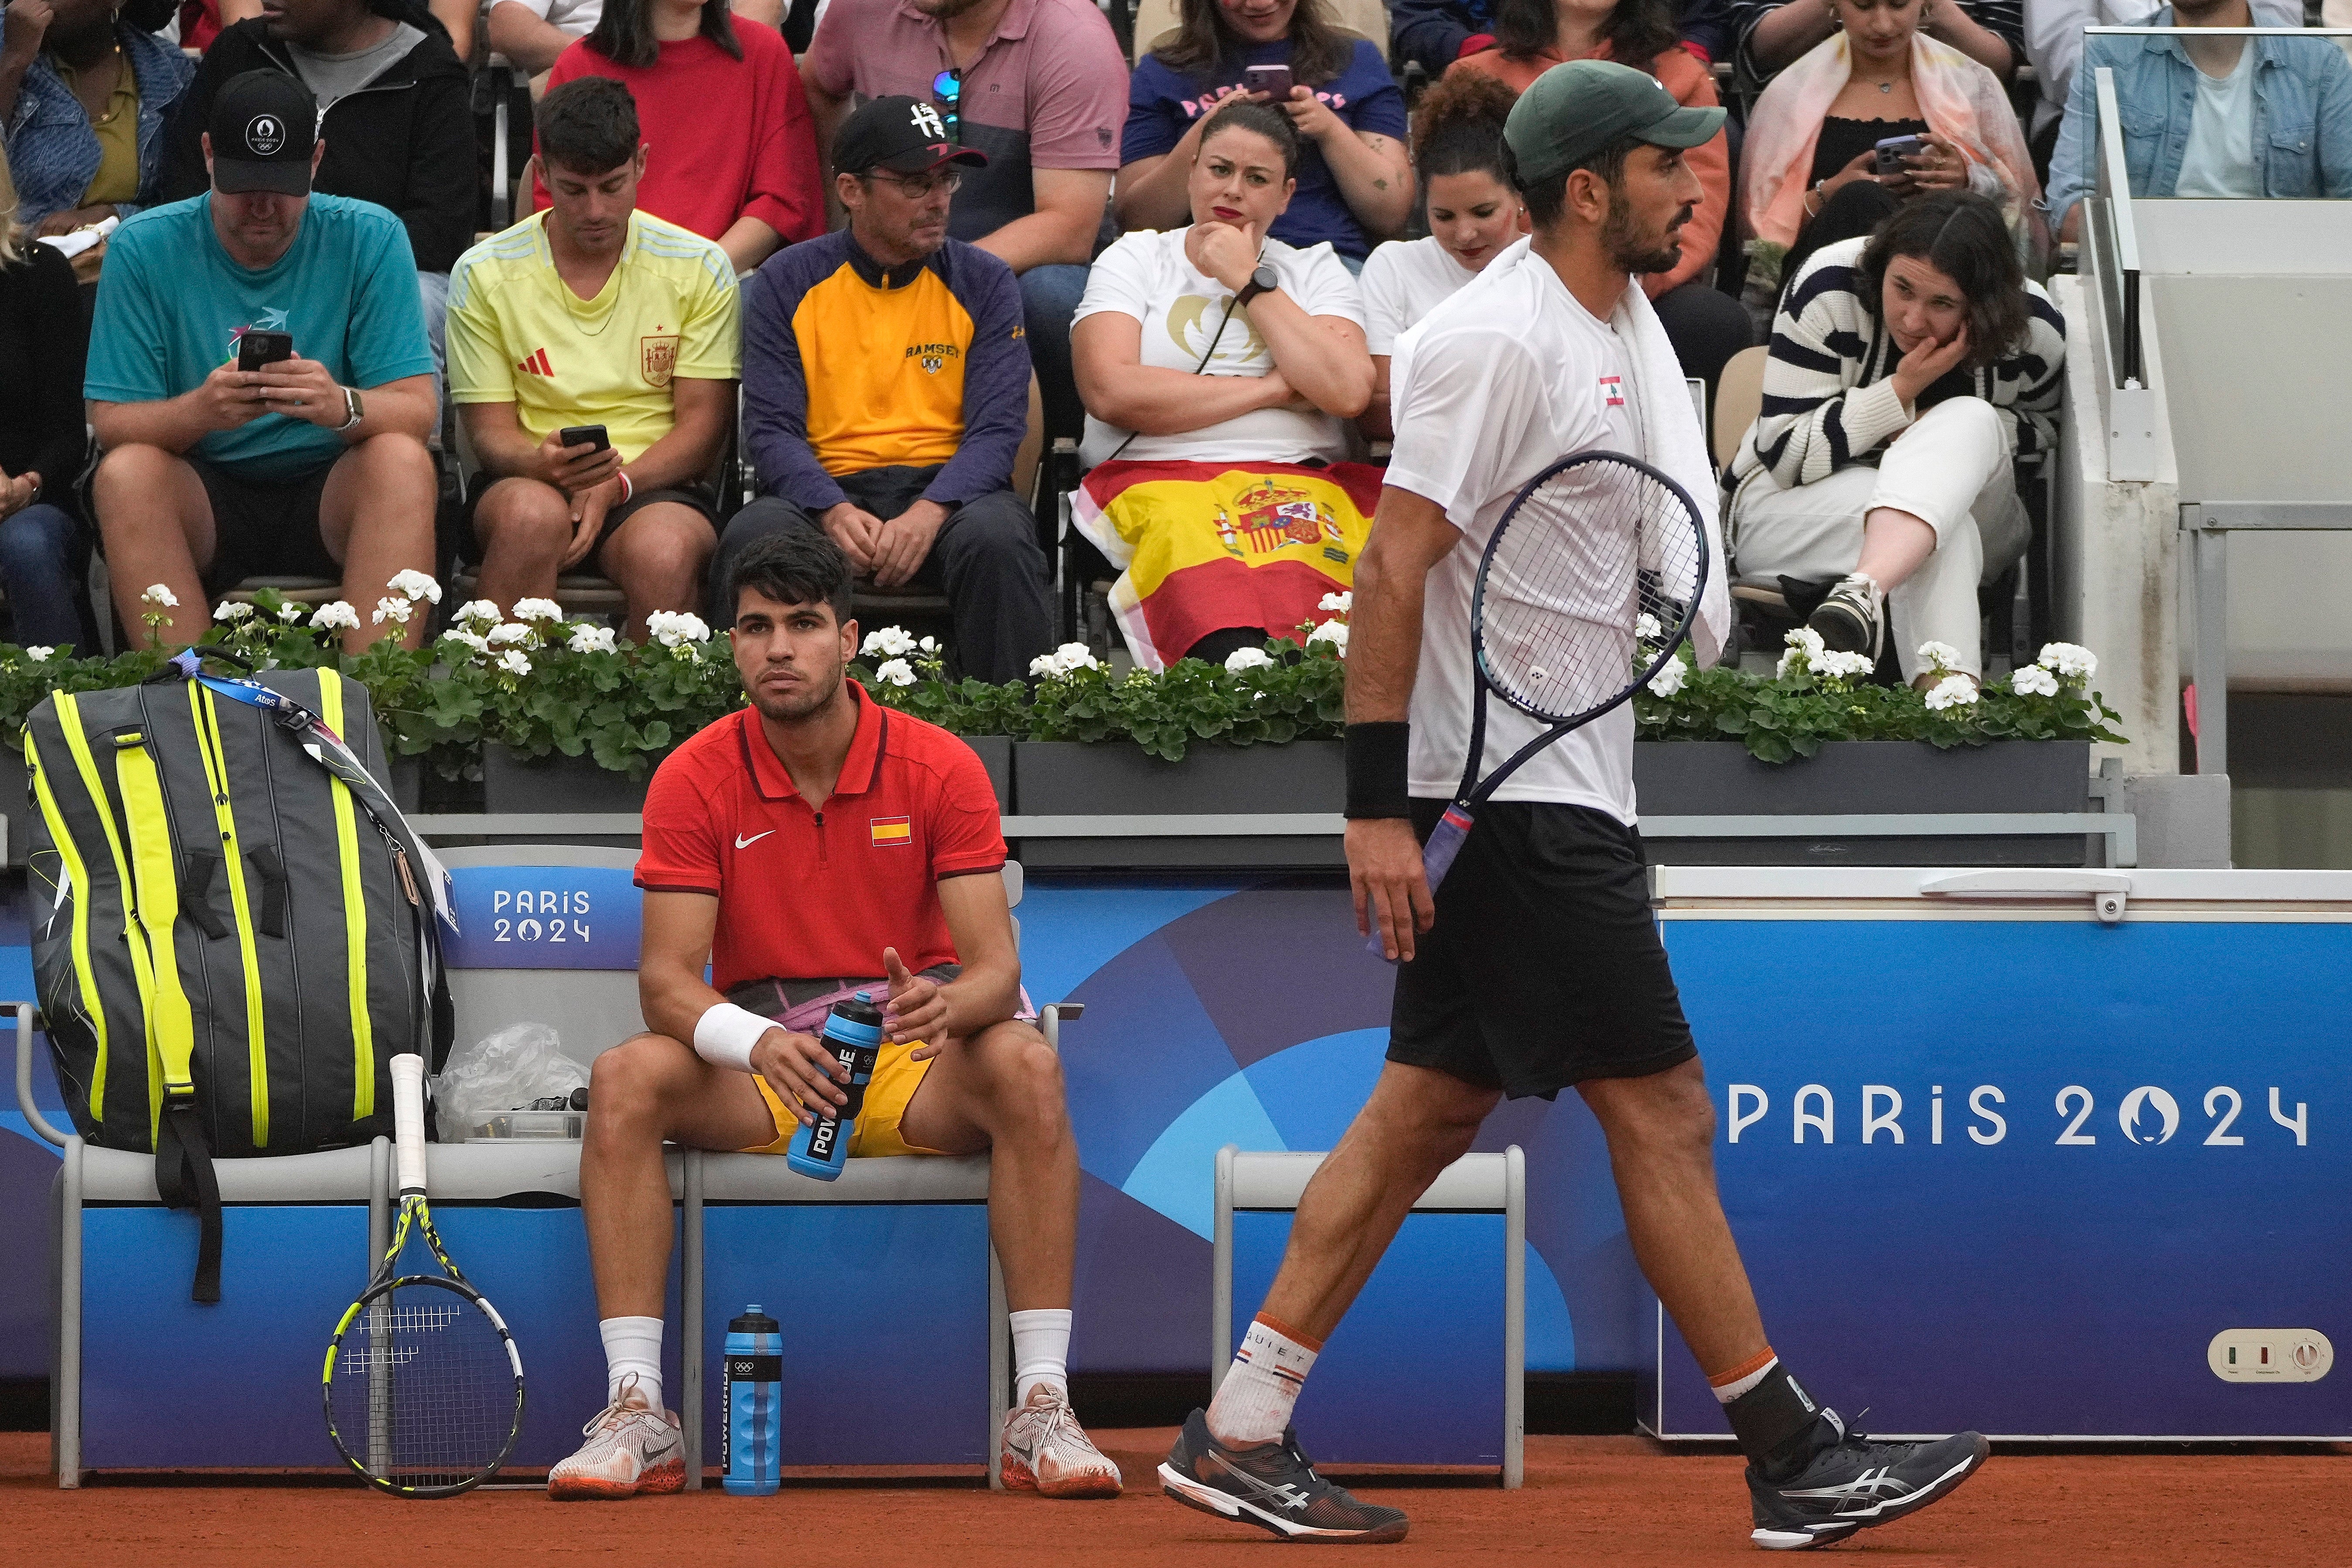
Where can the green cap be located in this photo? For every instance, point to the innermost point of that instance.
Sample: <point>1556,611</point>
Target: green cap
<point>1575,109</point>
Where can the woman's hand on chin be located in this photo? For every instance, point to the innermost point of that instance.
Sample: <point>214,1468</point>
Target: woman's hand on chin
<point>1226,251</point>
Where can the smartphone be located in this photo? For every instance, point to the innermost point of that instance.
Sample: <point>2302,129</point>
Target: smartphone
<point>255,349</point>
<point>1272,80</point>
<point>1894,149</point>
<point>582,436</point>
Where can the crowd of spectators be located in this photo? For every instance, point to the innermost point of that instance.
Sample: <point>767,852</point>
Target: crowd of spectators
<point>946,232</point>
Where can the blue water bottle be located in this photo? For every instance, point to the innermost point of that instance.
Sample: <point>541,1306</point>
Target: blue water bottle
<point>854,1030</point>
<point>751,1390</point>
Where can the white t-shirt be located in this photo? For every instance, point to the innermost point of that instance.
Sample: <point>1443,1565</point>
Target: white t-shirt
<point>1146,275</point>
<point>2219,158</point>
<point>1498,384</point>
<point>577,17</point>
<point>1403,281</point>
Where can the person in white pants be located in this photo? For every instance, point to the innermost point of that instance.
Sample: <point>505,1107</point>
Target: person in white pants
<point>1907,371</point>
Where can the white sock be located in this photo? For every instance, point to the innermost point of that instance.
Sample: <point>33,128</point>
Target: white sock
<point>632,1345</point>
<point>1741,1379</point>
<point>1253,1404</point>
<point>1041,1353</point>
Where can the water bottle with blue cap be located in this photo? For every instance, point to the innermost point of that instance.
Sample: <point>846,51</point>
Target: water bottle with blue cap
<point>854,1031</point>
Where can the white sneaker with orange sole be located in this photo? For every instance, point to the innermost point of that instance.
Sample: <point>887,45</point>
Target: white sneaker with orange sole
<point>631,1450</point>
<point>1047,1452</point>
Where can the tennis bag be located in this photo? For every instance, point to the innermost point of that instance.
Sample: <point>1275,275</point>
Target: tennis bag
<point>234,927</point>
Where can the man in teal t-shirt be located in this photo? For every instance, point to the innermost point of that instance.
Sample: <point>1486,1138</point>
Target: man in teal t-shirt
<point>213,474</point>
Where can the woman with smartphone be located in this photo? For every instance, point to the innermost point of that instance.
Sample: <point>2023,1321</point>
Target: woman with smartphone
<point>1812,171</point>
<point>1355,180</point>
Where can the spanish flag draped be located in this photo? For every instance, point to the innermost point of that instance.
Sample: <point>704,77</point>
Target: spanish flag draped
<point>1202,546</point>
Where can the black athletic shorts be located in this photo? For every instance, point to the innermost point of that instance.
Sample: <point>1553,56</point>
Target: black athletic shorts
<point>1544,968</point>
<point>693,496</point>
<point>265,528</point>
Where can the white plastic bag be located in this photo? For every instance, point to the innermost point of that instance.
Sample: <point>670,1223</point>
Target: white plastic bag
<point>505,1072</point>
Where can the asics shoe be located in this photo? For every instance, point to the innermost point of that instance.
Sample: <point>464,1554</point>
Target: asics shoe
<point>1047,1451</point>
<point>1858,1484</point>
<point>630,1450</point>
<point>1271,1485</point>
<point>1852,619</point>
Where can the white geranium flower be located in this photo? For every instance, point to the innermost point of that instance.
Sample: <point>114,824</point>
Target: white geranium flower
<point>389,608</point>
<point>229,611</point>
<point>1332,632</point>
<point>160,597</point>
<point>463,639</point>
<point>480,610</point>
<point>674,629</point>
<point>514,662</point>
<point>894,672</point>
<point>1805,646</point>
<point>2072,661</point>
<point>413,585</point>
<point>289,612</point>
<point>586,638</point>
<point>1842,666</point>
<point>2033,681</point>
<point>929,647</point>
<point>1938,656</point>
<point>538,610</point>
<point>1952,691</point>
<point>1646,627</point>
<point>37,653</point>
<point>509,635</point>
<point>1338,604</point>
<point>1066,660</point>
<point>890,642</point>
<point>1670,677</point>
<point>337,614</point>
<point>1242,659</point>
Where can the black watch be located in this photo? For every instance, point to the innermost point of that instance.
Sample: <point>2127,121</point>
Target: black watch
<point>1262,280</point>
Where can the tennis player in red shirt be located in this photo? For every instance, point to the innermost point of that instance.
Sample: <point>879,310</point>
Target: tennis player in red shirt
<point>810,846</point>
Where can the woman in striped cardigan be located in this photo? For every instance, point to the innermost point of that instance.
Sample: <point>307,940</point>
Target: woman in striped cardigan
<point>1906,372</point>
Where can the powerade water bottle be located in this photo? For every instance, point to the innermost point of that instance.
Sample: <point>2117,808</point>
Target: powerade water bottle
<point>751,1390</point>
<point>854,1030</point>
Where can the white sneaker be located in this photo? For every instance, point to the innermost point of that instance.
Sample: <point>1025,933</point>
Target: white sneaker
<point>630,1450</point>
<point>1047,1451</point>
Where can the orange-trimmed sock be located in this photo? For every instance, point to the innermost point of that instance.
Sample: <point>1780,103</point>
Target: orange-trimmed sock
<point>1730,1384</point>
<point>1253,1404</point>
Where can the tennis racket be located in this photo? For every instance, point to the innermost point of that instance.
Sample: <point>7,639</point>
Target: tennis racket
<point>1586,588</point>
<point>424,1385</point>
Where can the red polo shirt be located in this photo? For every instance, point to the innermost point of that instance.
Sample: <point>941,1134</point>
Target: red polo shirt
<point>813,894</point>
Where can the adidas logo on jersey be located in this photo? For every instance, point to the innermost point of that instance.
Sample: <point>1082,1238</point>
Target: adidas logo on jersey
<point>537,364</point>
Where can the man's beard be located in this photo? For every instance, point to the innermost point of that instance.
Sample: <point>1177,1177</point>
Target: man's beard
<point>812,700</point>
<point>1624,244</point>
<point>947,10</point>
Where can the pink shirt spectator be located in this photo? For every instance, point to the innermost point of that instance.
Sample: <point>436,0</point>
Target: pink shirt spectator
<point>1049,91</point>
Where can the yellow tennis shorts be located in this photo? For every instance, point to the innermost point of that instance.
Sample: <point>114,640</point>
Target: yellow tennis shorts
<point>897,1076</point>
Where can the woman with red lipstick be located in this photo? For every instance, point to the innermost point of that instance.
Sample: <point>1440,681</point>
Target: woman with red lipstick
<point>1355,182</point>
<point>1218,367</point>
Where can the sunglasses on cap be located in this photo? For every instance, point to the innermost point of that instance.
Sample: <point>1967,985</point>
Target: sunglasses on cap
<point>947,92</point>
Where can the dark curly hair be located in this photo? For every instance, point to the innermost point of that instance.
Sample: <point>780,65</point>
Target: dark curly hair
<point>1962,235</point>
<point>1639,31</point>
<point>1457,126</point>
<point>1207,48</point>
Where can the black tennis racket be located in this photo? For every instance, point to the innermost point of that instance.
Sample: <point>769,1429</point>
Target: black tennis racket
<point>424,1385</point>
<point>1586,588</point>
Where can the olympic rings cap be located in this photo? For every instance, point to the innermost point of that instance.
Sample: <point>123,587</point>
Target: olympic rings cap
<point>1573,110</point>
<point>263,126</point>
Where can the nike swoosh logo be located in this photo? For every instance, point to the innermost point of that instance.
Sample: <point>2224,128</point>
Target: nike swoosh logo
<point>743,843</point>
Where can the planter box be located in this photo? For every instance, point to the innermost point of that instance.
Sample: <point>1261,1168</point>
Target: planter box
<point>556,783</point>
<point>995,754</point>
<point>1708,778</point>
<point>1062,778</point>
<point>16,804</point>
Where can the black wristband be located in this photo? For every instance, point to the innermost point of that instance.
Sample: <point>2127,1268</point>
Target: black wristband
<point>1377,782</point>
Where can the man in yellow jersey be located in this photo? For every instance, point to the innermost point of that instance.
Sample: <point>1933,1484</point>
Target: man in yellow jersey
<point>886,391</point>
<point>594,317</point>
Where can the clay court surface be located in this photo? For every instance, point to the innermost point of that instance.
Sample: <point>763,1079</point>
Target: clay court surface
<point>1612,1500</point>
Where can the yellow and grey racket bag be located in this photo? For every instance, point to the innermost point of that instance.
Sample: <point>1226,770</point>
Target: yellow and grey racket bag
<point>233,926</point>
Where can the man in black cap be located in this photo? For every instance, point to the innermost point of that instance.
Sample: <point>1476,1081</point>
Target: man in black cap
<point>1539,966</point>
<point>885,394</point>
<point>214,473</point>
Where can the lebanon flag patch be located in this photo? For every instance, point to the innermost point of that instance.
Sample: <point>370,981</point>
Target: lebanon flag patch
<point>892,830</point>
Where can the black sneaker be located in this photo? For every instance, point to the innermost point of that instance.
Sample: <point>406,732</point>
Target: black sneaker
<point>1852,618</point>
<point>1273,1487</point>
<point>1858,1484</point>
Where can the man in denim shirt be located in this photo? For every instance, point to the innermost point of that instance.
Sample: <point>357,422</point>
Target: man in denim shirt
<point>2231,116</point>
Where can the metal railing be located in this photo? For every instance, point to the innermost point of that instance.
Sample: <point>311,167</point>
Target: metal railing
<point>2208,525</point>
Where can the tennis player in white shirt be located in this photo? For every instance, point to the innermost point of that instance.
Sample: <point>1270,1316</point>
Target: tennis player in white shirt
<point>1537,967</point>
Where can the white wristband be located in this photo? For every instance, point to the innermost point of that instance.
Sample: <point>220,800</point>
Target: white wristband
<point>724,1035</point>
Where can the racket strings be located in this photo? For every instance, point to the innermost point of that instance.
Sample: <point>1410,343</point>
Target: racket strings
<point>423,1392</point>
<point>1591,586</point>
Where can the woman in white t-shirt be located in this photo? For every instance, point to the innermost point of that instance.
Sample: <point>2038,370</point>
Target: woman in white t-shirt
<point>1474,216</point>
<point>1224,365</point>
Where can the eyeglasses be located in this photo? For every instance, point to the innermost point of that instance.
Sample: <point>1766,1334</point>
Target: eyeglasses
<point>919,186</point>
<point>947,92</point>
